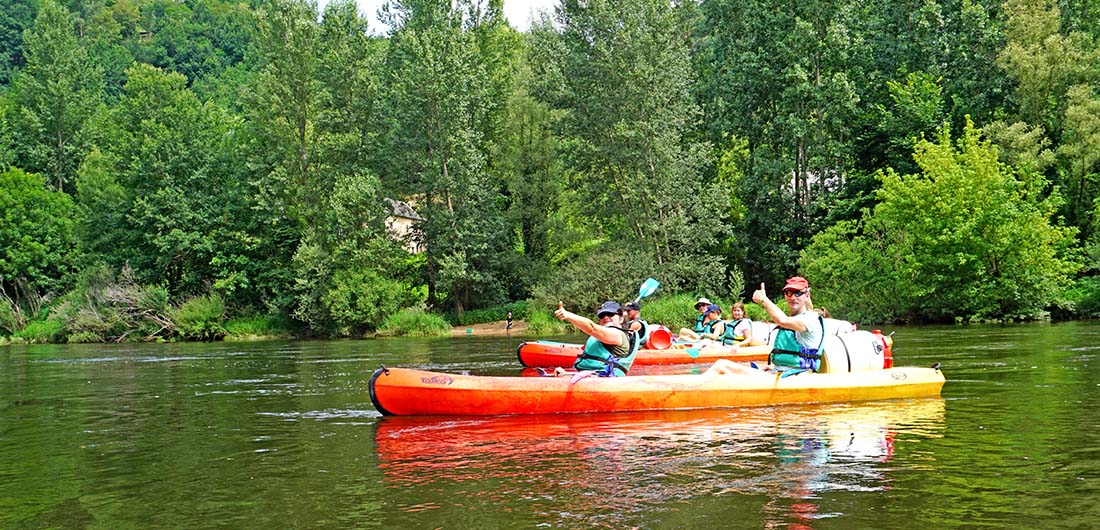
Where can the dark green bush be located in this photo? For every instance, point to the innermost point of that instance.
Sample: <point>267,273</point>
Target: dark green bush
<point>262,326</point>
<point>201,318</point>
<point>414,322</point>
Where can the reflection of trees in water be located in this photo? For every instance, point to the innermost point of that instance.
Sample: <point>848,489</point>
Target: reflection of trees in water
<point>591,468</point>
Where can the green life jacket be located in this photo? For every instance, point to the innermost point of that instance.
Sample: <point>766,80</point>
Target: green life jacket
<point>608,362</point>
<point>729,336</point>
<point>698,328</point>
<point>709,326</point>
<point>787,352</point>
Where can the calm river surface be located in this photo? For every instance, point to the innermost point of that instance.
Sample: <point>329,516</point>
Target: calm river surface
<point>283,435</point>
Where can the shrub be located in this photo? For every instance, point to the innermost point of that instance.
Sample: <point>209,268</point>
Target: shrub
<point>543,322</point>
<point>963,239</point>
<point>115,309</point>
<point>257,327</point>
<point>359,300</point>
<point>414,322</point>
<point>200,318</point>
<point>39,331</point>
<point>610,272</point>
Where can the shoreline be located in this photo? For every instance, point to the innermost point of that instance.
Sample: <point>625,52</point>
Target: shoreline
<point>491,329</point>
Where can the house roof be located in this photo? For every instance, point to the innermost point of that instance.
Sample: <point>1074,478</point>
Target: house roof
<point>402,209</point>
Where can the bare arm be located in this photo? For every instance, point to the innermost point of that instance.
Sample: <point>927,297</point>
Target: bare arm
<point>718,330</point>
<point>777,315</point>
<point>748,335</point>
<point>603,334</point>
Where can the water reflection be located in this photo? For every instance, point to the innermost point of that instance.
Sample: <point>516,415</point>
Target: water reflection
<point>602,468</point>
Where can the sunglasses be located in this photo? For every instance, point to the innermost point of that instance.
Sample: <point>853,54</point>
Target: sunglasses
<point>790,292</point>
<point>602,316</point>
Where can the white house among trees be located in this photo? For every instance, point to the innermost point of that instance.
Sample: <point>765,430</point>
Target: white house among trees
<point>400,223</point>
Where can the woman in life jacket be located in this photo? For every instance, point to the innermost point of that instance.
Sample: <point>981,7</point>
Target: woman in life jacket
<point>738,328</point>
<point>610,348</point>
<point>714,327</point>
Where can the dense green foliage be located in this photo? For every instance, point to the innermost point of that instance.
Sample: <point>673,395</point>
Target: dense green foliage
<point>960,239</point>
<point>158,157</point>
<point>414,322</point>
<point>200,318</point>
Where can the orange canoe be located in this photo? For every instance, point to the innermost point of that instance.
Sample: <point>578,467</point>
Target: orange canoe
<point>405,392</point>
<point>548,354</point>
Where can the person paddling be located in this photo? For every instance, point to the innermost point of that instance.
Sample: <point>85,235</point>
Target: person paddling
<point>610,349</point>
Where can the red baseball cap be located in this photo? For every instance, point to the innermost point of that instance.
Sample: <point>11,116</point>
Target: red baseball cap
<point>797,283</point>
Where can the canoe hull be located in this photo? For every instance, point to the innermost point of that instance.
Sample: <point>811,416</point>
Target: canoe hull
<point>404,392</point>
<point>546,354</point>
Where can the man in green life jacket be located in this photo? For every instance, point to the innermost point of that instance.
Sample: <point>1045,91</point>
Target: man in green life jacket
<point>801,332</point>
<point>610,349</point>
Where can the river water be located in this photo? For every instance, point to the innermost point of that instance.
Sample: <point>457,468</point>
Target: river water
<point>283,435</point>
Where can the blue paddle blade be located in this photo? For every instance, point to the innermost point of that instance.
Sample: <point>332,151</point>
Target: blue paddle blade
<point>694,353</point>
<point>647,288</point>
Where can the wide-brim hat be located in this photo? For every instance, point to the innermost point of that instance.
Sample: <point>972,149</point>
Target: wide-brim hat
<point>702,301</point>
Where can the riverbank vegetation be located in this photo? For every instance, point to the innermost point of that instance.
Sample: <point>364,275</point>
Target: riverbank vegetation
<point>205,169</point>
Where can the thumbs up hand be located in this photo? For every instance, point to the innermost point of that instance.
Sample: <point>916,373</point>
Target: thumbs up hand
<point>760,295</point>
<point>560,313</point>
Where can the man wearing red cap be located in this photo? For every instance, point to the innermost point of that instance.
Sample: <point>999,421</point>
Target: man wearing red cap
<point>802,331</point>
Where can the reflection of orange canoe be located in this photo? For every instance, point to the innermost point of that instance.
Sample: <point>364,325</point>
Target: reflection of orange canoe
<point>402,392</point>
<point>548,354</point>
<point>421,449</point>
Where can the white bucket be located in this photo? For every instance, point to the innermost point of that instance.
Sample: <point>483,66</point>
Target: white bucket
<point>762,333</point>
<point>856,351</point>
<point>836,327</point>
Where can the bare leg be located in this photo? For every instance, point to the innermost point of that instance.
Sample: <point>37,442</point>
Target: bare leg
<point>726,366</point>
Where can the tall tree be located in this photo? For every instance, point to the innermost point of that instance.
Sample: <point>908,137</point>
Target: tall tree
<point>784,76</point>
<point>286,101</point>
<point>15,16</point>
<point>630,134</point>
<point>1057,77</point>
<point>437,105</point>
<point>161,196</point>
<point>56,95</point>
